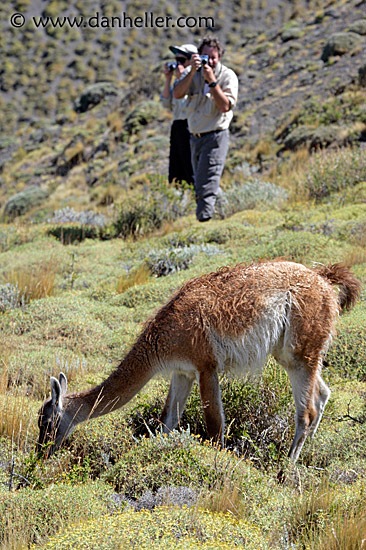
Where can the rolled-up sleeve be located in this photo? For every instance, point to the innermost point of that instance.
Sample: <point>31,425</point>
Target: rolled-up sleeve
<point>167,101</point>
<point>230,85</point>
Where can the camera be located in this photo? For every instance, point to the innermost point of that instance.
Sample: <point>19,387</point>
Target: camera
<point>204,61</point>
<point>172,65</point>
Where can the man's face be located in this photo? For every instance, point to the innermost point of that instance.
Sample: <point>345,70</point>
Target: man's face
<point>213,55</point>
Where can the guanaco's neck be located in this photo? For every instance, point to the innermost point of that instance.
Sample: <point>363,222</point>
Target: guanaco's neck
<point>124,382</point>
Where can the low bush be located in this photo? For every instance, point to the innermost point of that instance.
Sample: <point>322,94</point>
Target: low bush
<point>24,201</point>
<point>73,232</point>
<point>160,203</point>
<point>69,226</point>
<point>252,194</point>
<point>101,442</point>
<point>347,355</point>
<point>85,217</point>
<point>334,171</point>
<point>29,516</point>
<point>166,261</point>
<point>164,527</point>
<point>176,459</point>
<point>141,115</point>
<point>10,297</point>
<point>293,246</point>
<point>258,413</point>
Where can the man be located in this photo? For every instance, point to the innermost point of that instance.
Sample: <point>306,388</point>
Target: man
<point>180,165</point>
<point>212,92</point>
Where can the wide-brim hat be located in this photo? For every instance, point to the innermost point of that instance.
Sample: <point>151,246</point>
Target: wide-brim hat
<point>185,49</point>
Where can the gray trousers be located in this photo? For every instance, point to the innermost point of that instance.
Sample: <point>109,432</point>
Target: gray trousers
<point>208,159</point>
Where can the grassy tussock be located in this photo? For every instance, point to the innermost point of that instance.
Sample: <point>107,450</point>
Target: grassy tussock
<point>335,171</point>
<point>139,276</point>
<point>34,282</point>
<point>16,412</point>
<point>325,519</point>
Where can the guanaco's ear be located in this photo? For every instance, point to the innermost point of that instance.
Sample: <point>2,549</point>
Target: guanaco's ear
<point>63,382</point>
<point>56,392</point>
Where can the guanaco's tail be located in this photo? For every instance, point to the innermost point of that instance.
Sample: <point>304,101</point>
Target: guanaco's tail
<point>349,286</point>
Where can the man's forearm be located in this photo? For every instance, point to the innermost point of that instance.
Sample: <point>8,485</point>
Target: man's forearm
<point>166,91</point>
<point>181,87</point>
<point>221,99</point>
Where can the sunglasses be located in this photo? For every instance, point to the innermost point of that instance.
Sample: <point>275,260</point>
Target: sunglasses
<point>181,60</point>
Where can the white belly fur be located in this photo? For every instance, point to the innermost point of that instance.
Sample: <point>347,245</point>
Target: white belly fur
<point>245,354</point>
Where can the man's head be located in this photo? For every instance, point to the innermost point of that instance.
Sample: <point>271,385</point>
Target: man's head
<point>211,47</point>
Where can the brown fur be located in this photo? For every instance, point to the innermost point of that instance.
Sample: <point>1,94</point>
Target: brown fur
<point>349,286</point>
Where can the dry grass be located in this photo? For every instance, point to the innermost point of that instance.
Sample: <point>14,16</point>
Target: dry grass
<point>326,519</point>
<point>34,282</point>
<point>139,276</point>
<point>224,499</point>
<point>16,411</point>
<point>345,532</point>
<point>355,256</point>
<point>292,174</point>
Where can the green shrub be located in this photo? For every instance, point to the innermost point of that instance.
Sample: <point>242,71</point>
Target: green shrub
<point>160,203</point>
<point>174,459</point>
<point>69,225</point>
<point>102,442</point>
<point>144,294</point>
<point>73,232</point>
<point>94,94</point>
<point>24,201</point>
<point>334,171</point>
<point>10,297</point>
<point>294,246</point>
<point>32,516</point>
<point>253,194</point>
<point>163,528</point>
<point>141,115</point>
<point>258,413</point>
<point>166,261</point>
<point>347,355</point>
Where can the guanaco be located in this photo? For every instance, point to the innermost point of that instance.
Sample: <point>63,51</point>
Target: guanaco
<point>226,321</point>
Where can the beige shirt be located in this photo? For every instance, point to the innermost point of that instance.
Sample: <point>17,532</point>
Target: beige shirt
<point>203,113</point>
<point>178,106</point>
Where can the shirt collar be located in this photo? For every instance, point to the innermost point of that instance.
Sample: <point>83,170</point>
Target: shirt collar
<point>217,69</point>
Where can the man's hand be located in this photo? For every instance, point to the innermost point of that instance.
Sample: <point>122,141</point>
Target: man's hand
<point>208,73</point>
<point>195,62</point>
<point>167,72</point>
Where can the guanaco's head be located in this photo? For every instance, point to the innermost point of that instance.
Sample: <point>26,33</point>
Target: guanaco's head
<point>52,428</point>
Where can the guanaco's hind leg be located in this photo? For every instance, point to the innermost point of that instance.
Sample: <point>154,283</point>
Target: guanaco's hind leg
<point>212,404</point>
<point>311,395</point>
<point>180,387</point>
<point>321,399</point>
